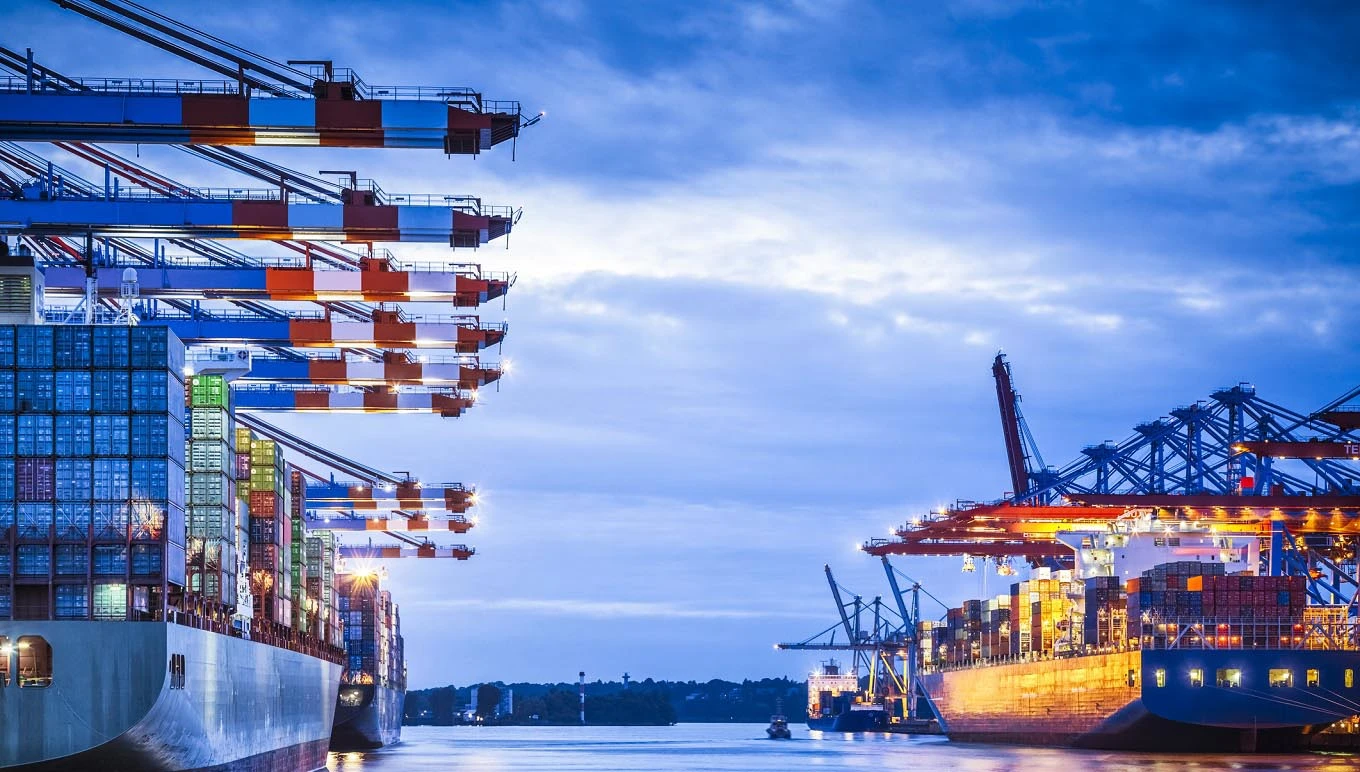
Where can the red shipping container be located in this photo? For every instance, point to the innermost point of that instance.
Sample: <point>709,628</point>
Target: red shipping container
<point>264,503</point>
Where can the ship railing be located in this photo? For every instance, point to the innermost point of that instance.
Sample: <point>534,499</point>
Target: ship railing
<point>1290,634</point>
<point>458,96</point>
<point>1254,634</point>
<point>262,631</point>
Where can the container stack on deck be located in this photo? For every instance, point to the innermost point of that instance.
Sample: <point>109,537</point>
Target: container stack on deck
<point>92,475</point>
<point>1052,613</point>
<point>1104,622</point>
<point>297,554</point>
<point>271,531</point>
<point>930,635</point>
<point>1044,610</point>
<point>996,627</point>
<point>372,631</point>
<point>1187,590</point>
<point>211,490</point>
<point>320,556</point>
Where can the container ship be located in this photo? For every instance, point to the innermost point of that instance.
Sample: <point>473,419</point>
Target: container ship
<point>1192,587</point>
<point>369,709</point>
<point>163,604</point>
<point>152,614</point>
<point>1162,637</point>
<point>834,703</point>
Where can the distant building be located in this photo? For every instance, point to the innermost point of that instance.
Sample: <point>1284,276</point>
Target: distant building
<point>504,708</point>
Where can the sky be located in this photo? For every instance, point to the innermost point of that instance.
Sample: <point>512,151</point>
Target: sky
<point>768,252</point>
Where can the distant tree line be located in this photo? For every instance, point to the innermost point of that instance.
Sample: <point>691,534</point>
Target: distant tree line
<point>609,703</point>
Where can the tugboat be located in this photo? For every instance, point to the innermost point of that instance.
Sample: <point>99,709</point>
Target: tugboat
<point>779,725</point>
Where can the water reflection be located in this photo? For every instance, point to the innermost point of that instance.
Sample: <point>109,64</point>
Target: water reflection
<point>744,748</point>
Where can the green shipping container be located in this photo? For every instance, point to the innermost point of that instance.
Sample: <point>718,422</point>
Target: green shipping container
<point>208,391</point>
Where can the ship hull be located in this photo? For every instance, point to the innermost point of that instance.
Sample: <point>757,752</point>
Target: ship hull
<point>1114,701</point>
<point>849,721</point>
<point>367,717</point>
<point>113,705</point>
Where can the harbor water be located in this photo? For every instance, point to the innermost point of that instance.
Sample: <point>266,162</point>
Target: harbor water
<point>742,748</point>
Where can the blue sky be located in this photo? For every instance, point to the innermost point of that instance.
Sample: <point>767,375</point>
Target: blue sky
<point>769,250</point>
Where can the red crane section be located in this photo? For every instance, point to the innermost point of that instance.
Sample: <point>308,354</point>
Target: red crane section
<point>1315,450</point>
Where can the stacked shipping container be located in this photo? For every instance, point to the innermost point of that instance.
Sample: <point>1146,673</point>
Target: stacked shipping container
<point>1105,620</point>
<point>297,554</point>
<point>372,632</point>
<point>91,471</point>
<point>996,627</point>
<point>1044,612</point>
<point>321,556</point>
<point>271,532</point>
<point>1052,613</point>
<point>211,489</point>
<point>1166,596</point>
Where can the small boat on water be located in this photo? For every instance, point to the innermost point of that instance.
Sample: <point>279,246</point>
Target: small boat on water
<point>779,725</point>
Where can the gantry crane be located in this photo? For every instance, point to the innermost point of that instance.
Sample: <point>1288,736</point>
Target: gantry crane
<point>1235,463</point>
<point>215,268</point>
<point>883,642</point>
<point>363,351</point>
<point>372,501</point>
<point>263,102</point>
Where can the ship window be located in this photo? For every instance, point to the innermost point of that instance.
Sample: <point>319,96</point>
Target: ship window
<point>1313,680</point>
<point>1196,676</point>
<point>35,662</point>
<point>6,653</point>
<point>1133,678</point>
<point>1281,678</point>
<point>1350,678</point>
<point>1160,676</point>
<point>1229,678</point>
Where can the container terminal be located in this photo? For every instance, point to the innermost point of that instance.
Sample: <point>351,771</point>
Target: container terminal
<point>1190,588</point>
<point>183,584</point>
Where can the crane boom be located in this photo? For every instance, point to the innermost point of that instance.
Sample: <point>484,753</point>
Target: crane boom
<point>908,620</point>
<point>840,606</point>
<point>1007,400</point>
